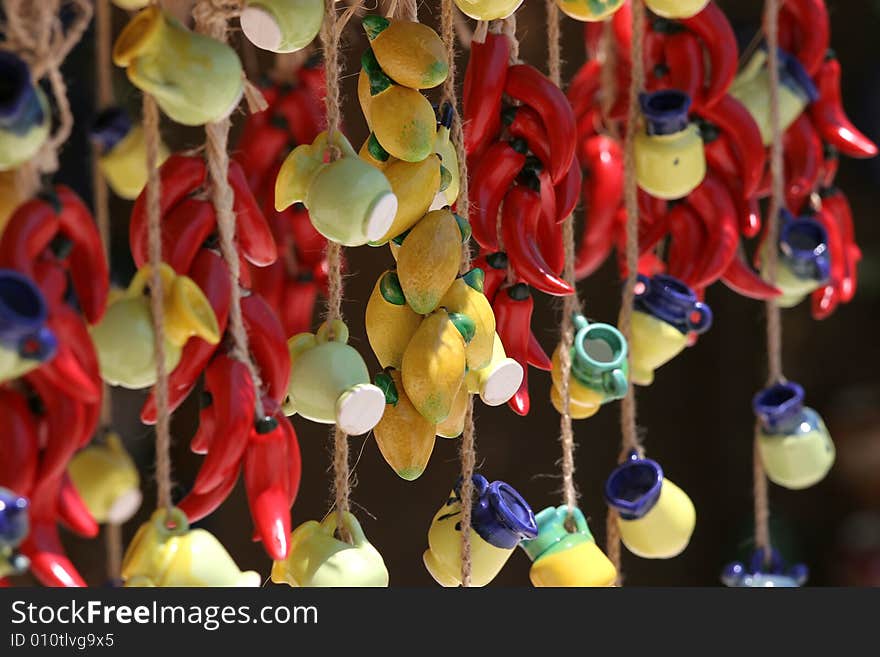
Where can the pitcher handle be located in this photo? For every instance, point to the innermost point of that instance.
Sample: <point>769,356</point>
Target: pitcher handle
<point>40,345</point>
<point>331,522</point>
<point>704,321</point>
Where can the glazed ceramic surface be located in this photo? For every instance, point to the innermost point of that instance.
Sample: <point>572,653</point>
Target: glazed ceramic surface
<point>25,119</point>
<point>589,10</point>
<point>107,480</point>
<point>282,25</point>
<point>803,264</point>
<point>25,340</point>
<point>676,8</point>
<point>123,153</point>
<point>14,528</point>
<point>319,559</point>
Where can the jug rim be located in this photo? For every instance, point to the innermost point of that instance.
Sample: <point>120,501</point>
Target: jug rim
<point>644,493</point>
<point>776,402</point>
<point>665,111</point>
<point>22,305</point>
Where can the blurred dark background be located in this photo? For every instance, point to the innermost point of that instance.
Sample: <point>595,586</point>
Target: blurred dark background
<point>696,418</point>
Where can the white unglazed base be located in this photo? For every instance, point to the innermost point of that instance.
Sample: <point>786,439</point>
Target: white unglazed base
<point>125,507</point>
<point>360,408</point>
<point>260,28</point>
<point>502,383</point>
<point>381,216</point>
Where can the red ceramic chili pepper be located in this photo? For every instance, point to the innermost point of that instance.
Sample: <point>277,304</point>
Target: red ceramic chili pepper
<point>568,192</point>
<point>802,152</point>
<point>525,123</point>
<point>200,443</point>
<point>719,40</point>
<point>830,164</point>
<point>531,87</point>
<point>484,83</point>
<point>603,194</point>
<point>259,148</point>
<point>720,154</point>
<point>310,245</point>
<point>314,78</point>
<point>270,282</point>
<point>18,467</point>
<point>688,241</point>
<point>536,355</point>
<point>745,281</point>
<point>303,113</point>
<point>210,273</point>
<point>43,547</point>
<point>810,28</point>
<point>513,308</point>
<point>69,371</point>
<point>179,176</point>
<point>232,395</point>
<point>298,306</point>
<point>493,176</point>
<point>836,246</point>
<point>520,218</point>
<point>253,232</point>
<point>824,301</point>
<point>838,206</point>
<point>268,344</point>
<point>830,119</point>
<point>184,230</point>
<point>549,233</point>
<point>266,480</point>
<point>294,459</point>
<point>584,86</point>
<point>715,207</point>
<point>621,31</point>
<point>494,266</point>
<point>73,512</point>
<point>198,505</point>
<point>740,128</point>
<point>684,59</point>
<point>588,126</point>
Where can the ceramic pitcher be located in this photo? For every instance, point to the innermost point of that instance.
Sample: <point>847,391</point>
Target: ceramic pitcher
<point>194,79</point>
<point>319,559</point>
<point>795,445</point>
<point>764,573</point>
<point>14,528</point>
<point>589,10</point>
<point>670,160</point>
<point>666,310</point>
<point>25,340</point>
<point>329,381</point>
<point>25,119</point>
<point>166,552</point>
<point>803,263</point>
<point>500,519</point>
<point>107,480</point>
<point>124,338</point>
<point>598,369</point>
<point>656,517</point>
<point>566,557</point>
<point>282,25</point>
<point>122,151</point>
<point>751,87</point>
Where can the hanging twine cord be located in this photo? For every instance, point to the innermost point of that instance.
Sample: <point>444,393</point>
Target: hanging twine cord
<point>629,430</point>
<point>467,448</point>
<point>507,27</point>
<point>331,33</point>
<point>570,304</point>
<point>607,79</point>
<point>774,317</point>
<point>211,17</point>
<point>33,30</point>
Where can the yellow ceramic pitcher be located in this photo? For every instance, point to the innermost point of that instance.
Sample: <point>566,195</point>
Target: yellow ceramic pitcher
<point>107,480</point>
<point>194,79</point>
<point>124,337</point>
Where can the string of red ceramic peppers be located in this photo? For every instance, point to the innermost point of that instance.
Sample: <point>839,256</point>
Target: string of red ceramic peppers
<point>692,68</point>
<point>522,164</point>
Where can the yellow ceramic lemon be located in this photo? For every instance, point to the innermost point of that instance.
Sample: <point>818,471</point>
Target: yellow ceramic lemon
<point>410,53</point>
<point>194,79</point>
<point>428,259</point>
<point>676,8</point>
<point>124,336</point>
<point>415,184</point>
<point>401,118</point>
<point>107,480</point>
<point>453,425</point>
<point>488,10</point>
<point>589,10</point>
<point>364,96</point>
<point>390,322</point>
<point>434,363</point>
<point>404,437</point>
<point>445,149</point>
<point>498,381</point>
<point>318,559</point>
<point>177,556</point>
<point>465,295</point>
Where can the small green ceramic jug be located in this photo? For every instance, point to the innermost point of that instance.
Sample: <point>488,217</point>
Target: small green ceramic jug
<point>194,79</point>
<point>349,201</point>
<point>319,559</point>
<point>329,381</point>
<point>124,338</point>
<point>282,25</point>
<point>25,118</point>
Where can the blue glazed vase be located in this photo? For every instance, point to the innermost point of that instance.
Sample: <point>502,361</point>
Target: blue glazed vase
<point>24,113</point>
<point>25,340</point>
<point>14,527</point>
<point>794,443</point>
<point>500,515</point>
<point>758,574</point>
<point>803,258</point>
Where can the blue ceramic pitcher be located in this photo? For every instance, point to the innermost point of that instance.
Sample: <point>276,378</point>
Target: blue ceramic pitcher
<point>763,573</point>
<point>803,258</point>
<point>25,340</point>
<point>14,527</point>
<point>24,113</point>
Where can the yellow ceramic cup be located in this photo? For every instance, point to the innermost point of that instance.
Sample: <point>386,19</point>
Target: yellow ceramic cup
<point>122,151</point>
<point>194,79</point>
<point>318,559</point>
<point>107,480</point>
<point>657,518</point>
<point>163,556</point>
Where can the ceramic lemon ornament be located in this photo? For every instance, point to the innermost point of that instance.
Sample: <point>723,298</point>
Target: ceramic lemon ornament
<point>410,53</point>
<point>433,364</point>
<point>465,295</point>
<point>405,438</point>
<point>488,10</point>
<point>390,322</point>
<point>453,425</point>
